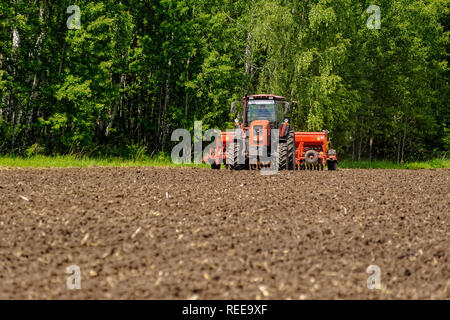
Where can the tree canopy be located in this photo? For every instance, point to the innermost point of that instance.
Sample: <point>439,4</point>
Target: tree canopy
<point>135,70</point>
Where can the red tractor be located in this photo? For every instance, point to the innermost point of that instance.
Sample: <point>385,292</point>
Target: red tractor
<point>260,115</point>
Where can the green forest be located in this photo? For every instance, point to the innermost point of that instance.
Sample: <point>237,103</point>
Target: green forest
<point>118,76</point>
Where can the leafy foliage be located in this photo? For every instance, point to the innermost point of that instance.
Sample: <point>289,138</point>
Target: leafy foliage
<point>138,69</point>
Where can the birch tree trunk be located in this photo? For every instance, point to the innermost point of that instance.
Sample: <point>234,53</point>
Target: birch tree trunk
<point>113,107</point>
<point>166,104</point>
<point>4,96</point>
<point>249,48</point>
<point>34,86</point>
<point>359,144</point>
<point>164,124</point>
<point>186,98</point>
<point>403,143</point>
<point>16,109</point>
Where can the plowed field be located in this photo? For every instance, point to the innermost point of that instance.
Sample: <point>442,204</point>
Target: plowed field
<point>194,233</point>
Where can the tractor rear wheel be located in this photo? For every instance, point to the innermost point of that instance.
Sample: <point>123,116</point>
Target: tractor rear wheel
<point>291,150</point>
<point>229,160</point>
<point>232,158</point>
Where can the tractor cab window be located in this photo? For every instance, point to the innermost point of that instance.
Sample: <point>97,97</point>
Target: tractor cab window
<point>281,111</point>
<point>261,110</point>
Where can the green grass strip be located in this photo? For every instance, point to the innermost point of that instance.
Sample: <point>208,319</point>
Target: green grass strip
<point>73,161</point>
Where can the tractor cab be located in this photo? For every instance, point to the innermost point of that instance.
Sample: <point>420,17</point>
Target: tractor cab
<point>270,108</point>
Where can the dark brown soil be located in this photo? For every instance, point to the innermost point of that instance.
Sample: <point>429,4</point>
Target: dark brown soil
<point>191,233</point>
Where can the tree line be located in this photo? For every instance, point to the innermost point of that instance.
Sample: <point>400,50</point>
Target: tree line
<point>122,75</point>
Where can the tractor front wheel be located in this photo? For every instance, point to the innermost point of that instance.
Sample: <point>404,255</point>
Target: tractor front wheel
<point>215,166</point>
<point>283,155</point>
<point>291,150</point>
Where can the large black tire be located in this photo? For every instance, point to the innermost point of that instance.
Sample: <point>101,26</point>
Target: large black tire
<point>232,158</point>
<point>291,150</point>
<point>229,160</point>
<point>215,166</point>
<point>332,165</point>
<point>313,160</point>
<point>283,155</point>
